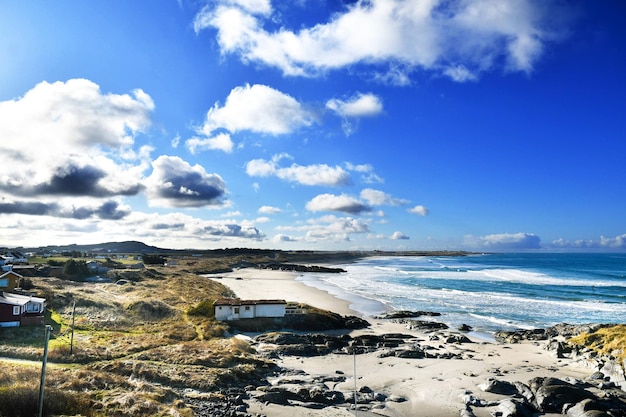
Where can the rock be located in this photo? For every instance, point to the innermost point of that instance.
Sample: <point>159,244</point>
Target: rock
<point>458,338</point>
<point>586,408</point>
<point>525,391</point>
<point>514,408</point>
<point>551,394</point>
<point>411,353</point>
<point>496,386</point>
<point>615,372</point>
<point>422,325</point>
<point>396,399</point>
<point>405,314</point>
<point>467,412</point>
<point>519,335</point>
<point>465,328</point>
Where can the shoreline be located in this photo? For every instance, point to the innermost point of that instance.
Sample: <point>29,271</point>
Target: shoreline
<point>431,387</point>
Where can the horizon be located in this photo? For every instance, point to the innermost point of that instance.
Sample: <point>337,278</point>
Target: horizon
<point>315,126</point>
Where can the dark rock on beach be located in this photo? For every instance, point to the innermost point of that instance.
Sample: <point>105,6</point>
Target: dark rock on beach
<point>407,314</point>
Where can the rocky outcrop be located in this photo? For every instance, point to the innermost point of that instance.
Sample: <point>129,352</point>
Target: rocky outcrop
<point>557,342</point>
<point>550,395</point>
<point>391,344</point>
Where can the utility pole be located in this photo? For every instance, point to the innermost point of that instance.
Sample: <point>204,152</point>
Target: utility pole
<point>43,369</point>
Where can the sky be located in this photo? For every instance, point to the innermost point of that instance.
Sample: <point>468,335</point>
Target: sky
<point>481,125</point>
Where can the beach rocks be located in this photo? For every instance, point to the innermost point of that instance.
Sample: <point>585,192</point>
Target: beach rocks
<point>549,395</point>
<point>405,314</point>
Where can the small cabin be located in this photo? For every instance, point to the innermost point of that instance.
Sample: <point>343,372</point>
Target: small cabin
<point>9,281</point>
<point>21,310</point>
<point>226,309</point>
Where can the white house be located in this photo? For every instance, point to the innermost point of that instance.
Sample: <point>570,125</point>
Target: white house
<point>235,308</point>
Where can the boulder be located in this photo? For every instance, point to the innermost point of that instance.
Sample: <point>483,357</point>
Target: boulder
<point>496,386</point>
<point>514,408</point>
<point>552,394</point>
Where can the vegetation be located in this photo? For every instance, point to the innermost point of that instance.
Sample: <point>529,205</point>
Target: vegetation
<point>608,341</point>
<point>136,347</point>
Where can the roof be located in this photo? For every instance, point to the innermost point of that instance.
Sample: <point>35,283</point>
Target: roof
<point>240,302</point>
<point>18,299</point>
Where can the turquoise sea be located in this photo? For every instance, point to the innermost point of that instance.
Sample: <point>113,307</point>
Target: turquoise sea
<point>488,292</point>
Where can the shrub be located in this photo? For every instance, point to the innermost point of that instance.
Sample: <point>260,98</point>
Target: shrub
<point>203,308</point>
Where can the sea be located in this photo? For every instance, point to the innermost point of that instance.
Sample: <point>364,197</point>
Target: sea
<point>489,292</point>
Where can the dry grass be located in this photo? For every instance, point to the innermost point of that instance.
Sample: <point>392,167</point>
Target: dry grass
<point>605,341</point>
<point>134,347</point>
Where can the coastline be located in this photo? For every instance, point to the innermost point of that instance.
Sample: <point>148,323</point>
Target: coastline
<point>431,387</point>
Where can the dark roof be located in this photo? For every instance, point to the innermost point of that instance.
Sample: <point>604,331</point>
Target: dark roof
<point>240,302</point>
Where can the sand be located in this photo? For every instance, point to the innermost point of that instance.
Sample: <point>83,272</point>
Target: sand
<point>433,387</point>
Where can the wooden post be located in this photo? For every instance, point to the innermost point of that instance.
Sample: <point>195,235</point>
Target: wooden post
<point>355,389</point>
<point>43,369</point>
<point>72,337</point>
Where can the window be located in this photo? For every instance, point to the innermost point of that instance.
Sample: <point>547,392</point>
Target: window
<point>236,310</point>
<point>247,308</point>
<point>16,310</point>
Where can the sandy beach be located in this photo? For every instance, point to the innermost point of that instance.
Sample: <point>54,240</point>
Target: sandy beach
<point>431,387</point>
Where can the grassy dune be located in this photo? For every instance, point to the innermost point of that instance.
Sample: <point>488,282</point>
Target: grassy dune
<point>136,346</point>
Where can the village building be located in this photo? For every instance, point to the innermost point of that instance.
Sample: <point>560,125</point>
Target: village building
<point>226,309</point>
<point>21,310</point>
<point>9,281</point>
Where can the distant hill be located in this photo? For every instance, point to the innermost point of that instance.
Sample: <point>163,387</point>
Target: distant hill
<point>108,247</point>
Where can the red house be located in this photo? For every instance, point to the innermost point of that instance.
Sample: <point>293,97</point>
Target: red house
<point>21,310</point>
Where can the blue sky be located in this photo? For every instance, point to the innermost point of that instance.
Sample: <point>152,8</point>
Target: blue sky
<point>314,124</point>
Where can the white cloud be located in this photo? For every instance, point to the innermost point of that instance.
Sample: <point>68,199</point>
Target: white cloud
<point>269,210</point>
<point>219,142</point>
<point>399,236</point>
<point>472,35</point>
<point>380,198</point>
<point>319,174</point>
<point>360,105</point>
<point>281,238</point>
<point>329,228</point>
<point>342,203</point>
<point>419,210</point>
<point>257,108</point>
<point>368,175</point>
<point>505,241</point>
<point>617,242</point>
<point>175,183</point>
<point>88,138</point>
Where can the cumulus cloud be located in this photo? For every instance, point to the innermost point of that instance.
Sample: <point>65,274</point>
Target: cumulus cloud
<point>360,105</point>
<point>177,229</point>
<point>419,210</point>
<point>368,176</point>
<point>604,242</point>
<point>256,108</point>
<point>505,241</point>
<point>328,228</point>
<point>88,137</point>
<point>109,210</point>
<point>281,238</point>
<point>318,174</point>
<point>394,38</point>
<point>342,203</point>
<point>269,210</point>
<point>399,236</point>
<point>380,198</point>
<point>175,183</point>
<point>219,142</point>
